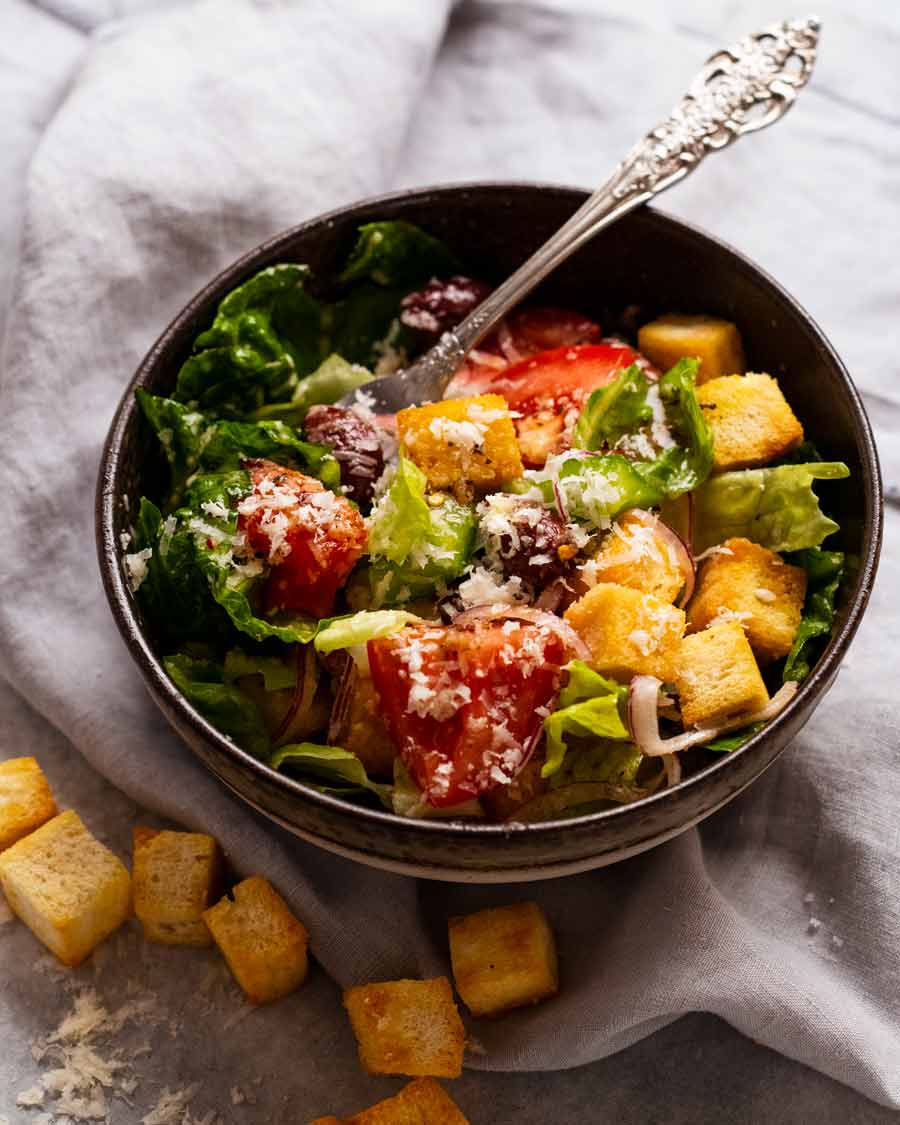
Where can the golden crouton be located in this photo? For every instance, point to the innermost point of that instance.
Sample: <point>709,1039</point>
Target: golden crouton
<point>422,1102</point>
<point>750,420</point>
<point>764,593</point>
<point>716,343</point>
<point>636,554</point>
<point>67,887</point>
<point>503,958</point>
<point>407,1027</point>
<point>175,877</point>
<point>717,675</point>
<point>462,442</point>
<point>628,633</point>
<point>25,799</point>
<point>262,941</point>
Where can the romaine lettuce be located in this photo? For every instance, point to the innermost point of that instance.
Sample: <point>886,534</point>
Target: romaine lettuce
<point>397,253</point>
<point>775,507</point>
<point>824,571</point>
<point>589,707</point>
<point>687,464</point>
<point>202,683</point>
<point>277,674</point>
<point>330,769</point>
<point>414,546</point>
<point>613,411</point>
<point>358,628</point>
<point>332,379</point>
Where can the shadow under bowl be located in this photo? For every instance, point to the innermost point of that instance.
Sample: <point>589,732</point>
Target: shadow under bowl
<point>647,259</point>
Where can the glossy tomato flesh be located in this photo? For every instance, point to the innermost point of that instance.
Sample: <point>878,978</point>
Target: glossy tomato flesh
<point>461,703</point>
<point>311,537</point>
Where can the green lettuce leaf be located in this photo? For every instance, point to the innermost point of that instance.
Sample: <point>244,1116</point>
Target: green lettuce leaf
<point>728,742</point>
<point>181,433</point>
<point>358,628</point>
<point>388,260</point>
<point>397,253</point>
<point>413,546</point>
<point>400,518</point>
<point>277,674</point>
<point>597,489</point>
<point>332,379</point>
<point>211,520</point>
<point>329,769</point>
<point>589,707</point>
<point>265,333</point>
<point>824,572</point>
<point>175,594</point>
<point>228,443</point>
<point>606,760</point>
<point>775,507</point>
<point>687,464</point>
<point>202,683</point>
<point>613,411</point>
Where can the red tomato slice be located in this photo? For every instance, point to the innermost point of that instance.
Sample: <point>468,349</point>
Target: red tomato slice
<point>560,379</point>
<point>311,537</point>
<point>460,703</point>
<point>522,334</point>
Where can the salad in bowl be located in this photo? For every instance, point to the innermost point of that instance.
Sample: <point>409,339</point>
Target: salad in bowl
<point>600,555</point>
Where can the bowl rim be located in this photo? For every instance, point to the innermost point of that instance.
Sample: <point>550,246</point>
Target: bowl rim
<point>122,603</point>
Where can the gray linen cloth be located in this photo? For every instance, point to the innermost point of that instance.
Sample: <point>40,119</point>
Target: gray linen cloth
<point>189,134</point>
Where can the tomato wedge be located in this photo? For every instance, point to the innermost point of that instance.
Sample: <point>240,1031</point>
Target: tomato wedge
<point>461,703</point>
<point>561,379</point>
<point>522,334</point>
<point>311,537</point>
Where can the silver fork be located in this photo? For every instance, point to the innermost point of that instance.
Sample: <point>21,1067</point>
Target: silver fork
<point>739,90</point>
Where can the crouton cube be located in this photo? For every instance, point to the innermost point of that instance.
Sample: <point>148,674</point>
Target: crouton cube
<point>628,633</point>
<point>462,443</point>
<point>750,420</point>
<point>25,799</point>
<point>755,585</point>
<point>422,1102</point>
<point>503,958</point>
<point>639,555</point>
<point>407,1027</point>
<point>716,343</point>
<point>67,887</point>
<point>175,877</point>
<point>262,941</point>
<point>717,675</point>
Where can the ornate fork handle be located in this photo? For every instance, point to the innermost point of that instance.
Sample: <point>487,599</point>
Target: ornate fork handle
<point>739,90</point>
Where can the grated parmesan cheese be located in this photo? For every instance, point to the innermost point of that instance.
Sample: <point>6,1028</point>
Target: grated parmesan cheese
<point>136,567</point>
<point>487,587</point>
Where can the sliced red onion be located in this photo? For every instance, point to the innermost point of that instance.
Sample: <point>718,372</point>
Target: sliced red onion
<point>494,611</point>
<point>682,551</point>
<point>488,359</point>
<point>509,349</point>
<point>560,500</point>
<point>672,765</point>
<point>643,718</point>
<point>552,597</point>
<point>304,689</point>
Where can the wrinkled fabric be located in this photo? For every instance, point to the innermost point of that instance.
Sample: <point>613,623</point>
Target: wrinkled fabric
<point>183,136</point>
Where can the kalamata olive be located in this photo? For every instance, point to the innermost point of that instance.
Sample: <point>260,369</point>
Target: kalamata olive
<point>354,443</point>
<point>441,305</point>
<point>538,549</point>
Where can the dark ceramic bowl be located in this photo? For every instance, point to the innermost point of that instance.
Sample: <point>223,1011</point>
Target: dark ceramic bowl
<point>646,259</point>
